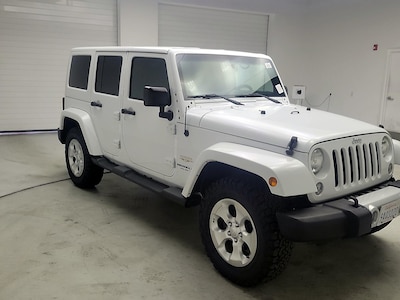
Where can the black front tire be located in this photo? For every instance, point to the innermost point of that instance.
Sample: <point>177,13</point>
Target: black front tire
<point>82,171</point>
<point>240,232</point>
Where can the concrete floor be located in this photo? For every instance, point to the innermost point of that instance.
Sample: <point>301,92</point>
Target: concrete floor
<point>120,241</point>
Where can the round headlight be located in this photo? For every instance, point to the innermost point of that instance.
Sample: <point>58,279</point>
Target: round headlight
<point>386,147</point>
<point>317,160</point>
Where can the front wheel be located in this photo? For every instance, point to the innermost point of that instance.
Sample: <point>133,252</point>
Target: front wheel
<point>240,233</point>
<point>82,171</point>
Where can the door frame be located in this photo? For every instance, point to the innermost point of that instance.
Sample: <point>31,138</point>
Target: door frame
<point>142,156</point>
<point>389,54</point>
<point>109,114</point>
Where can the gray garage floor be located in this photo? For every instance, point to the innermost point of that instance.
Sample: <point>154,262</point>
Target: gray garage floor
<point>120,241</point>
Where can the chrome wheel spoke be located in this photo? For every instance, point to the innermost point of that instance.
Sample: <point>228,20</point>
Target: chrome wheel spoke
<point>220,237</point>
<point>250,240</point>
<point>237,254</point>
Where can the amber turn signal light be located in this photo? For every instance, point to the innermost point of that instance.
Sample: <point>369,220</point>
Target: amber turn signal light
<point>273,181</point>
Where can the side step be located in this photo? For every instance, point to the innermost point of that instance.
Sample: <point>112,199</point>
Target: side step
<point>171,193</point>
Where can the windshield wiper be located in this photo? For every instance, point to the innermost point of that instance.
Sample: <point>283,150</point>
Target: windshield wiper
<point>213,96</point>
<point>259,95</point>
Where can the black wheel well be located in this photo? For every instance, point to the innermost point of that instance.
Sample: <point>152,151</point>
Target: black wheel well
<point>215,170</point>
<point>68,125</point>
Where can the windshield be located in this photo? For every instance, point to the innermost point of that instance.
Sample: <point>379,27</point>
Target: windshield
<point>226,75</point>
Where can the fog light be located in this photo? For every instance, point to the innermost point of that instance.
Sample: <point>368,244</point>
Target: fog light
<point>320,188</point>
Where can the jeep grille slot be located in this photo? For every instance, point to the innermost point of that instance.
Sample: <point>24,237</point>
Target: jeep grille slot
<point>356,163</point>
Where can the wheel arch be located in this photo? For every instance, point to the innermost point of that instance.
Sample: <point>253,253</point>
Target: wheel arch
<point>72,118</point>
<point>215,170</point>
<point>223,159</point>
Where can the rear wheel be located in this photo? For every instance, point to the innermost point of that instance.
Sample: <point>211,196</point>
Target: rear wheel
<point>240,233</point>
<point>83,172</point>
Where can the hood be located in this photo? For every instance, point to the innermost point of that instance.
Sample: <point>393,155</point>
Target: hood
<point>276,124</point>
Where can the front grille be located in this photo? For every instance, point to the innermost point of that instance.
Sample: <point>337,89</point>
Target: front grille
<point>356,163</point>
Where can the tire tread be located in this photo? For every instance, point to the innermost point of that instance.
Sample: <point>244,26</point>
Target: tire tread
<point>277,250</point>
<point>92,174</point>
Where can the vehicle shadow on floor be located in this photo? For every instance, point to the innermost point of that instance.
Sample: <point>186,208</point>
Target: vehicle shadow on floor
<point>342,269</point>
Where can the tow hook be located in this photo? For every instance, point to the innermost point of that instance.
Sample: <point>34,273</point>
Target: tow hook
<point>355,201</point>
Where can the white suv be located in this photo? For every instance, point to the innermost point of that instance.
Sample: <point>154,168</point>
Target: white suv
<point>216,128</point>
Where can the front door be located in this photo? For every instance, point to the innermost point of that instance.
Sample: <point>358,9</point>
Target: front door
<point>148,139</point>
<point>391,102</point>
<point>105,103</point>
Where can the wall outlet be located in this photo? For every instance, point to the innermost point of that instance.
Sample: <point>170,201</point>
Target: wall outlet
<point>299,92</point>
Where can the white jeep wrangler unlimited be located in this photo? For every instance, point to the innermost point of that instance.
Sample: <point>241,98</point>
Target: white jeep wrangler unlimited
<point>216,128</point>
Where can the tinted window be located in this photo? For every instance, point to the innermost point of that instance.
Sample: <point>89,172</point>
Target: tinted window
<point>108,74</point>
<point>79,73</point>
<point>147,71</point>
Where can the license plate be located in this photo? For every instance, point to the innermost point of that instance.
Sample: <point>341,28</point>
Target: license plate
<point>388,212</point>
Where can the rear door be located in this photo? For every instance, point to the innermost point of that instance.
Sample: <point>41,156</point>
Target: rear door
<point>106,101</point>
<point>148,139</point>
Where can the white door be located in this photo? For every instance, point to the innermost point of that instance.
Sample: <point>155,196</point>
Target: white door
<point>391,102</point>
<point>148,139</point>
<point>106,102</point>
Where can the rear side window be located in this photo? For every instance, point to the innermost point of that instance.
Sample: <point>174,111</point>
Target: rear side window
<point>108,74</point>
<point>79,73</point>
<point>147,71</point>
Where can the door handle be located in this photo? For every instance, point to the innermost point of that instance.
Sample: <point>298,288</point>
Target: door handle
<point>96,104</point>
<point>389,98</point>
<point>127,111</point>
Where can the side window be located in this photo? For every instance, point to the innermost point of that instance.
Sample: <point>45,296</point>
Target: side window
<point>108,74</point>
<point>147,71</point>
<point>79,72</point>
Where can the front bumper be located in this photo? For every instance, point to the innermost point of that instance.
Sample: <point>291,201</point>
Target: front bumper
<point>340,218</point>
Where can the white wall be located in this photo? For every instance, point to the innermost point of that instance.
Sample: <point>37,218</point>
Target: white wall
<point>138,22</point>
<point>330,51</point>
<point>327,50</point>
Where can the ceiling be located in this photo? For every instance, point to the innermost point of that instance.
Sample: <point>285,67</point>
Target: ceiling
<point>271,6</point>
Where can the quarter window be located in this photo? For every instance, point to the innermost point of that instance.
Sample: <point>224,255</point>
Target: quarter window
<point>147,71</point>
<point>108,74</point>
<point>79,72</point>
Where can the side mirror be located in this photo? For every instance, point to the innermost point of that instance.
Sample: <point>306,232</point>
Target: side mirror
<point>156,96</point>
<point>159,97</point>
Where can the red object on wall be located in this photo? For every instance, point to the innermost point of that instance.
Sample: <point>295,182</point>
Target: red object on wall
<point>375,47</point>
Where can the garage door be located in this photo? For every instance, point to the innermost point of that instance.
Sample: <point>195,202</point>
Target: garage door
<point>181,25</point>
<point>35,40</point>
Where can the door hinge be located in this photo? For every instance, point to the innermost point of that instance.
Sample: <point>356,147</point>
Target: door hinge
<point>172,129</point>
<point>117,144</point>
<point>170,161</point>
<point>117,115</point>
